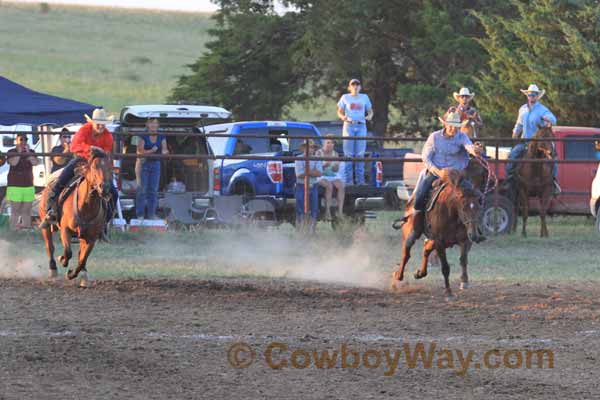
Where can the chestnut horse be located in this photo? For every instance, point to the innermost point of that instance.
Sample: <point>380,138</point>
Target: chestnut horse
<point>83,213</point>
<point>535,179</point>
<point>454,219</point>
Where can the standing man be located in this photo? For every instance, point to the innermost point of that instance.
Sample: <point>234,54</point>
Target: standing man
<point>532,116</point>
<point>20,192</point>
<point>354,109</point>
<point>468,113</point>
<point>59,161</point>
<point>93,133</point>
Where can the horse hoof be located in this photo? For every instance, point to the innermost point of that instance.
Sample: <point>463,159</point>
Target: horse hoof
<point>52,273</point>
<point>396,276</point>
<point>86,282</point>
<point>70,275</point>
<point>464,285</point>
<point>420,275</point>
<point>62,260</point>
<point>397,284</point>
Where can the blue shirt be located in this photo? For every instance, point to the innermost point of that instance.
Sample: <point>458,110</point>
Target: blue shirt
<point>529,121</point>
<point>299,167</point>
<point>446,152</point>
<point>355,107</point>
<point>148,144</point>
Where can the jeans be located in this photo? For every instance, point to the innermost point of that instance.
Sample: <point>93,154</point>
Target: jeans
<point>313,197</point>
<point>354,148</point>
<point>147,191</point>
<point>517,152</point>
<point>67,173</point>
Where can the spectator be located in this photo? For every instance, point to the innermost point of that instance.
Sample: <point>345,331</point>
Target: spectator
<point>355,109</point>
<point>20,192</point>
<point>64,146</point>
<point>331,178</point>
<point>315,170</point>
<point>148,170</point>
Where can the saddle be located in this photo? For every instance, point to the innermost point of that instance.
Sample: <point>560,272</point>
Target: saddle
<point>64,194</point>
<point>436,189</point>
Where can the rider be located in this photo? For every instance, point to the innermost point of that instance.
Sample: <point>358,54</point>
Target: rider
<point>93,133</point>
<point>467,112</point>
<point>532,116</point>
<point>447,148</point>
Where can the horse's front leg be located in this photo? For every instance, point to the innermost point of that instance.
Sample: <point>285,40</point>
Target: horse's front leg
<point>464,259</point>
<point>49,243</point>
<point>408,240</point>
<point>65,238</point>
<point>428,248</point>
<point>544,205</point>
<point>445,270</point>
<point>525,211</point>
<point>85,248</point>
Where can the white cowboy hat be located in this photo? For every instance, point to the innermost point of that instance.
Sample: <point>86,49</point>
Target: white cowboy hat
<point>99,116</point>
<point>452,119</point>
<point>463,92</point>
<point>534,89</point>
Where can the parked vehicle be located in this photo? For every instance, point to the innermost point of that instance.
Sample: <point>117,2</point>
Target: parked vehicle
<point>190,175</point>
<point>595,198</point>
<point>273,181</point>
<point>575,179</point>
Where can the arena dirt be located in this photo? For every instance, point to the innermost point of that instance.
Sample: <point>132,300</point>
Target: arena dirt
<point>169,339</point>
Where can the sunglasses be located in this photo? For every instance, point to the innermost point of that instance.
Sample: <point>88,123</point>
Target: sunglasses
<point>355,84</point>
<point>465,96</point>
<point>532,95</point>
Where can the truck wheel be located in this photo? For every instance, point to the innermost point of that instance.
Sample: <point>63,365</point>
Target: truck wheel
<point>243,189</point>
<point>598,220</point>
<point>498,215</point>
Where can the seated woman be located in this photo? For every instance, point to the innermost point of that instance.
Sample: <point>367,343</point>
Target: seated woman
<point>148,170</point>
<point>331,178</point>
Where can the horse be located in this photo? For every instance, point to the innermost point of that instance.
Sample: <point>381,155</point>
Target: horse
<point>535,179</point>
<point>82,213</point>
<point>454,219</point>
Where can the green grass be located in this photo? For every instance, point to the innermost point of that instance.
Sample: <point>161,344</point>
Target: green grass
<point>103,56</point>
<point>358,258</point>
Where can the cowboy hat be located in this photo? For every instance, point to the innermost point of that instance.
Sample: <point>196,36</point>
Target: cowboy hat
<point>452,118</point>
<point>99,116</point>
<point>534,89</point>
<point>311,143</point>
<point>463,92</point>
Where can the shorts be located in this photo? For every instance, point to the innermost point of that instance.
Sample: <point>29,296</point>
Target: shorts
<point>20,194</point>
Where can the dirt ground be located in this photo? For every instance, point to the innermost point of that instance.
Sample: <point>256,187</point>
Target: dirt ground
<point>171,339</point>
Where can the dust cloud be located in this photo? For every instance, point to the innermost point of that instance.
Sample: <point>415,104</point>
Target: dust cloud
<point>14,264</point>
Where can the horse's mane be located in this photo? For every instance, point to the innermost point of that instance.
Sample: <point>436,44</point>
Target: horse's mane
<point>535,145</point>
<point>96,152</point>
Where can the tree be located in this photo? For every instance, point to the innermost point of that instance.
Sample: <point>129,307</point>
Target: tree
<point>553,43</point>
<point>247,67</point>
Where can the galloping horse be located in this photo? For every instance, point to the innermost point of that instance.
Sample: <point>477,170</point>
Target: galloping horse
<point>454,219</point>
<point>535,179</point>
<point>82,213</point>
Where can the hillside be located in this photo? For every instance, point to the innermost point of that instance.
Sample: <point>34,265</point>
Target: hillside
<point>108,57</point>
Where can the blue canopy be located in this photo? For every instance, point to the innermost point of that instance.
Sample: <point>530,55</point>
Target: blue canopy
<point>19,105</point>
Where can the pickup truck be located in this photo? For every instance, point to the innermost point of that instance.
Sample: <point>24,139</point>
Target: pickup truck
<point>273,179</point>
<point>190,175</point>
<point>575,179</point>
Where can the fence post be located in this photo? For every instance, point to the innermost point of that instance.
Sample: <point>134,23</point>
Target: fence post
<point>306,180</point>
<point>496,166</point>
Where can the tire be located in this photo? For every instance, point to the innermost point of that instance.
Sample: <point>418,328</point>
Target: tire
<point>497,217</point>
<point>598,221</point>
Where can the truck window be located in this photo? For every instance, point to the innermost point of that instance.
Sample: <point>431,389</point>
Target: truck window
<point>580,150</point>
<point>272,140</point>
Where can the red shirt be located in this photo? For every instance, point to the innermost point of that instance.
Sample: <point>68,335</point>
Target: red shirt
<point>84,139</point>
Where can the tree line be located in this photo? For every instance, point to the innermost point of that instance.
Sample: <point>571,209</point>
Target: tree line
<point>411,55</point>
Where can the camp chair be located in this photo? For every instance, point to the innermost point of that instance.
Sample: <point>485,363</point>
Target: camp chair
<point>182,209</point>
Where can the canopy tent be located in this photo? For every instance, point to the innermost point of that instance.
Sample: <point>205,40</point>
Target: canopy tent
<point>20,105</point>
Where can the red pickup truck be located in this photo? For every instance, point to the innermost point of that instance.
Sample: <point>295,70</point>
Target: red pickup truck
<point>575,179</point>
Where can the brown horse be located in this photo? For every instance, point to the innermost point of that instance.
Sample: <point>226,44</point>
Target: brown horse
<point>83,213</point>
<point>454,219</point>
<point>535,179</point>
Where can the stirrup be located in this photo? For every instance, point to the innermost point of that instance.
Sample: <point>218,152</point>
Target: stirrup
<point>49,220</point>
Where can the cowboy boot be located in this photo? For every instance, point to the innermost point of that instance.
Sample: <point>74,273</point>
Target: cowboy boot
<point>51,214</point>
<point>556,189</point>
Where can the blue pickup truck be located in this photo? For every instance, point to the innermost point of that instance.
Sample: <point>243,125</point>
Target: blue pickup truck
<point>273,179</point>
